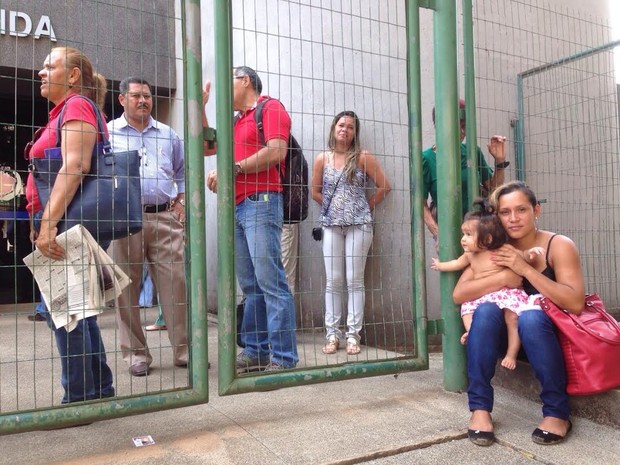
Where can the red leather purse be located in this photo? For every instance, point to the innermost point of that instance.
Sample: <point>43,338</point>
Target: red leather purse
<point>591,346</point>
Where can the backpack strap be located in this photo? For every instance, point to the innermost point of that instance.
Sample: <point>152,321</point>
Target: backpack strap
<point>258,117</point>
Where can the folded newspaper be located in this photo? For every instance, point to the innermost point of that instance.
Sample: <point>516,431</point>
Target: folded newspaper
<point>82,284</point>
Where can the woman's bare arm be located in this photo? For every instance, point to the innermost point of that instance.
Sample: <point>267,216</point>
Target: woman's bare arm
<point>373,170</point>
<point>316,184</point>
<point>468,288</point>
<point>567,291</point>
<point>78,140</point>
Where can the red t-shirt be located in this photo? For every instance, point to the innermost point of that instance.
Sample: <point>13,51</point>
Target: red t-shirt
<point>276,125</point>
<point>78,109</point>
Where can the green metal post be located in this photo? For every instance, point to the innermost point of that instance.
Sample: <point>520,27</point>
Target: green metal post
<point>195,195</point>
<point>449,188</point>
<point>520,136</point>
<point>415,173</point>
<point>225,194</point>
<point>473,183</point>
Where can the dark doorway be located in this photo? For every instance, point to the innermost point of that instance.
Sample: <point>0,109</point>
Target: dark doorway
<point>22,111</point>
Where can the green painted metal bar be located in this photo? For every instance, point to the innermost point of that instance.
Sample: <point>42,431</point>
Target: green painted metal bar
<point>520,123</point>
<point>473,183</point>
<point>449,188</point>
<point>196,249</point>
<point>418,248</point>
<point>570,58</point>
<point>520,133</point>
<point>428,4</point>
<point>229,382</point>
<point>325,374</point>
<point>79,413</point>
<point>225,196</point>
<point>435,327</point>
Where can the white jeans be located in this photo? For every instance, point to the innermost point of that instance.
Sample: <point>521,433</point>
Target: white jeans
<point>345,245</point>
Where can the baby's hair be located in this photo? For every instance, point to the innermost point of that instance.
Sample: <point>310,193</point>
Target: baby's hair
<point>491,234</point>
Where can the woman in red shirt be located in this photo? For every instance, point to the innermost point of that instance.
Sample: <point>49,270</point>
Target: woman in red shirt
<point>66,73</point>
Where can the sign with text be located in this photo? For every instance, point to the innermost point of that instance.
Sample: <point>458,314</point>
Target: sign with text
<point>120,38</point>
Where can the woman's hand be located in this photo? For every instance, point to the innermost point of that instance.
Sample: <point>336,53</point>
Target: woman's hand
<point>511,258</point>
<point>510,278</point>
<point>468,288</point>
<point>33,235</point>
<point>47,245</point>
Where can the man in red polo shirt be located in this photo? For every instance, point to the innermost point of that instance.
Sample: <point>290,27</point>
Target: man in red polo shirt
<point>268,328</point>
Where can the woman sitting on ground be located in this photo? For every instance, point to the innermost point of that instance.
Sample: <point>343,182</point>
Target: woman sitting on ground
<point>556,275</point>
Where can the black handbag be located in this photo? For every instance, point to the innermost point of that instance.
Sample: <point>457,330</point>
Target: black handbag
<point>109,200</point>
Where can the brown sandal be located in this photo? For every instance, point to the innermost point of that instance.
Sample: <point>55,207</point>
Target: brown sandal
<point>331,347</point>
<point>353,347</point>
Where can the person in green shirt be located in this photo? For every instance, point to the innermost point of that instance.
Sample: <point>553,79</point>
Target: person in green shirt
<point>489,179</point>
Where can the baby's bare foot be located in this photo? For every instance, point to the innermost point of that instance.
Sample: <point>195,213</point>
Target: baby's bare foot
<point>509,362</point>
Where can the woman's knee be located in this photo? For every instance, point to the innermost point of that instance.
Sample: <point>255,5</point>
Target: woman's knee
<point>488,313</point>
<point>534,323</point>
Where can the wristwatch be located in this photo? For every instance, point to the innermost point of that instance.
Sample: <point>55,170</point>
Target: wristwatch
<point>238,169</point>
<point>181,201</point>
<point>502,165</point>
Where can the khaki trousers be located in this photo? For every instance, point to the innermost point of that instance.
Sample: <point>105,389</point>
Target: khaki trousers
<point>290,253</point>
<point>161,245</point>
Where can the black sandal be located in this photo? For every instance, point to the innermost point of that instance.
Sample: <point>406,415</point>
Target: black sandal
<point>545,438</point>
<point>481,438</point>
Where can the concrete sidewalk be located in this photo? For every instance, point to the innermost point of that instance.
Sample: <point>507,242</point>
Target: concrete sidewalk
<point>382,420</point>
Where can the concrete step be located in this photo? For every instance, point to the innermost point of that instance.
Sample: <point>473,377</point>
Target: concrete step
<point>601,408</point>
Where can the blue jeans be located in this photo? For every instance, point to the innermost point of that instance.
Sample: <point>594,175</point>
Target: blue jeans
<point>486,343</point>
<point>85,373</point>
<point>268,326</point>
<point>146,298</point>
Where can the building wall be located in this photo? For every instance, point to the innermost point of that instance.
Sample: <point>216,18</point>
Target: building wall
<point>322,57</point>
<point>135,38</point>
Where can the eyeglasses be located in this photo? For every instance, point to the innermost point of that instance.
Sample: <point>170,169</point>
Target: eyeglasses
<point>137,95</point>
<point>35,137</point>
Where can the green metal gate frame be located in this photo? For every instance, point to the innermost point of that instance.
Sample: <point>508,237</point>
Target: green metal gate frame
<point>519,129</point>
<point>197,392</point>
<point>447,141</point>
<point>446,96</point>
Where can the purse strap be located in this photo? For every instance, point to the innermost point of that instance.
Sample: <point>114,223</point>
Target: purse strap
<point>105,142</point>
<point>332,196</point>
<point>593,305</point>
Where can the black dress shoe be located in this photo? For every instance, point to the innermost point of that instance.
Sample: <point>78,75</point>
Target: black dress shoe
<point>139,369</point>
<point>545,438</point>
<point>481,438</point>
<point>36,317</point>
